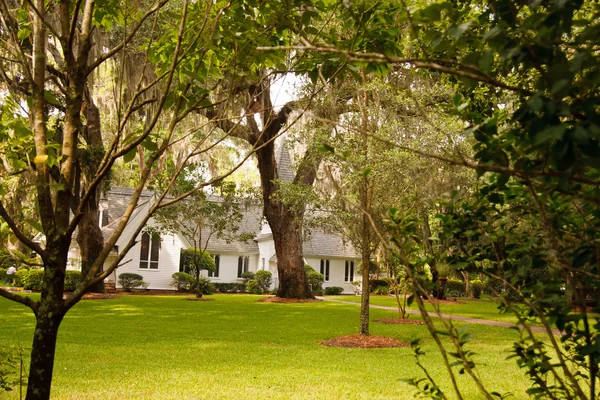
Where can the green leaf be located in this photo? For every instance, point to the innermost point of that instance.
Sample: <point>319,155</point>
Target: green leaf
<point>326,148</point>
<point>555,132</point>
<point>130,155</point>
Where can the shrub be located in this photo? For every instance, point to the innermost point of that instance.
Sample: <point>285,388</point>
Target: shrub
<point>376,283</point>
<point>3,274</point>
<point>246,276</point>
<point>71,280</point>
<point>30,279</point>
<point>205,286</point>
<point>476,288</point>
<point>183,282</point>
<point>252,287</point>
<point>455,287</point>
<point>129,280</point>
<point>334,290</point>
<point>493,286</point>
<point>381,290</point>
<point>227,287</point>
<point>264,279</point>
<point>315,279</point>
<point>194,260</point>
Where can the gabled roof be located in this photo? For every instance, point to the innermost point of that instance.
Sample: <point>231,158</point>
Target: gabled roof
<point>285,171</point>
<point>115,202</point>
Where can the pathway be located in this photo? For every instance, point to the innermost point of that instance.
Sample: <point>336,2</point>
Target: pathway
<point>448,316</point>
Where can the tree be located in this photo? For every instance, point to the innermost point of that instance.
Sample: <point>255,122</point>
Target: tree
<point>60,115</point>
<point>528,77</point>
<point>194,261</point>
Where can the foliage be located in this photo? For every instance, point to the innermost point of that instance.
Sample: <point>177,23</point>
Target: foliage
<point>129,280</point>
<point>183,282</point>
<point>381,290</point>
<point>3,274</point>
<point>72,278</point>
<point>252,287</point>
<point>194,260</point>
<point>30,279</point>
<point>334,290</point>
<point>227,287</point>
<point>246,276</point>
<point>205,286</point>
<point>11,368</point>
<point>476,288</point>
<point>264,280</point>
<point>315,279</point>
<point>455,288</point>
<point>376,283</point>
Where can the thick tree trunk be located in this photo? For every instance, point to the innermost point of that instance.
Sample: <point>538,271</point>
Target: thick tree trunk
<point>90,241</point>
<point>89,237</point>
<point>287,235</point>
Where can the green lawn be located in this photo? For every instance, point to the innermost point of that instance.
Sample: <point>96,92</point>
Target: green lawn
<point>485,308</point>
<point>139,347</point>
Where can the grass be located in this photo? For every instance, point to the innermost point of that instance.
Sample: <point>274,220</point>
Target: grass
<point>139,347</point>
<point>484,308</point>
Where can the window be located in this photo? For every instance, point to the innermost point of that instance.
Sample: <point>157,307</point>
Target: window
<point>243,263</point>
<point>263,263</point>
<point>217,259</point>
<point>349,273</point>
<point>149,251</point>
<point>325,269</point>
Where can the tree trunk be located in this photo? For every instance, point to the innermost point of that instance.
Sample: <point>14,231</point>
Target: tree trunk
<point>90,241</point>
<point>89,237</point>
<point>49,315</point>
<point>287,235</point>
<point>43,350</point>
<point>438,293</point>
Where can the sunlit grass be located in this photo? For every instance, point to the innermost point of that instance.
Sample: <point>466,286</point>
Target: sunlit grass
<point>139,347</point>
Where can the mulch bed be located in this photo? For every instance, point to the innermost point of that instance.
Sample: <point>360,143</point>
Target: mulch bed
<point>364,342</point>
<point>400,321</point>
<point>197,299</point>
<point>282,300</point>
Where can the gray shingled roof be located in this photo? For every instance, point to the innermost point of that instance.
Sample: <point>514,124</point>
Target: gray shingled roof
<point>321,244</point>
<point>115,202</point>
<point>285,171</point>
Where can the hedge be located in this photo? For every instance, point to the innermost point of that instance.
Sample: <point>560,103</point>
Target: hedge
<point>227,287</point>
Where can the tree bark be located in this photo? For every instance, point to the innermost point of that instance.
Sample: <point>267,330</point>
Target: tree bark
<point>290,258</point>
<point>438,291</point>
<point>49,315</point>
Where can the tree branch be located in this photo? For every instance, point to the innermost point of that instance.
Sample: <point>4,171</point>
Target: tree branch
<point>26,301</point>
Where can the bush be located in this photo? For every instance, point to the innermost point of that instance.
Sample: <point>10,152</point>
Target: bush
<point>226,287</point>
<point>334,290</point>
<point>205,286</point>
<point>315,279</point>
<point>376,283</point>
<point>493,286</point>
<point>129,280</point>
<point>71,280</point>
<point>455,287</point>
<point>246,276</point>
<point>252,287</point>
<point>183,282</point>
<point>381,290</point>
<point>192,260</point>
<point>476,288</point>
<point>3,275</point>
<point>30,279</point>
<point>264,279</point>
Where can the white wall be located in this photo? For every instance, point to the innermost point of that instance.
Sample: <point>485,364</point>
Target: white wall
<point>228,267</point>
<point>168,263</point>
<point>337,269</point>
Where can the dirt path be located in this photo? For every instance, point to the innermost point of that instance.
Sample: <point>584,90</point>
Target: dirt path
<point>451,317</point>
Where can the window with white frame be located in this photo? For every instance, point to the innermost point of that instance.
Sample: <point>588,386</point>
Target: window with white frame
<point>215,273</point>
<point>325,269</point>
<point>349,272</point>
<point>243,264</point>
<point>150,248</point>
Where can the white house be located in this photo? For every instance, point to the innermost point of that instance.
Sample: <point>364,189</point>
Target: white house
<point>157,256</point>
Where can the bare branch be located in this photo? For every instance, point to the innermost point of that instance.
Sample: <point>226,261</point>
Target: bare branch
<point>26,301</point>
